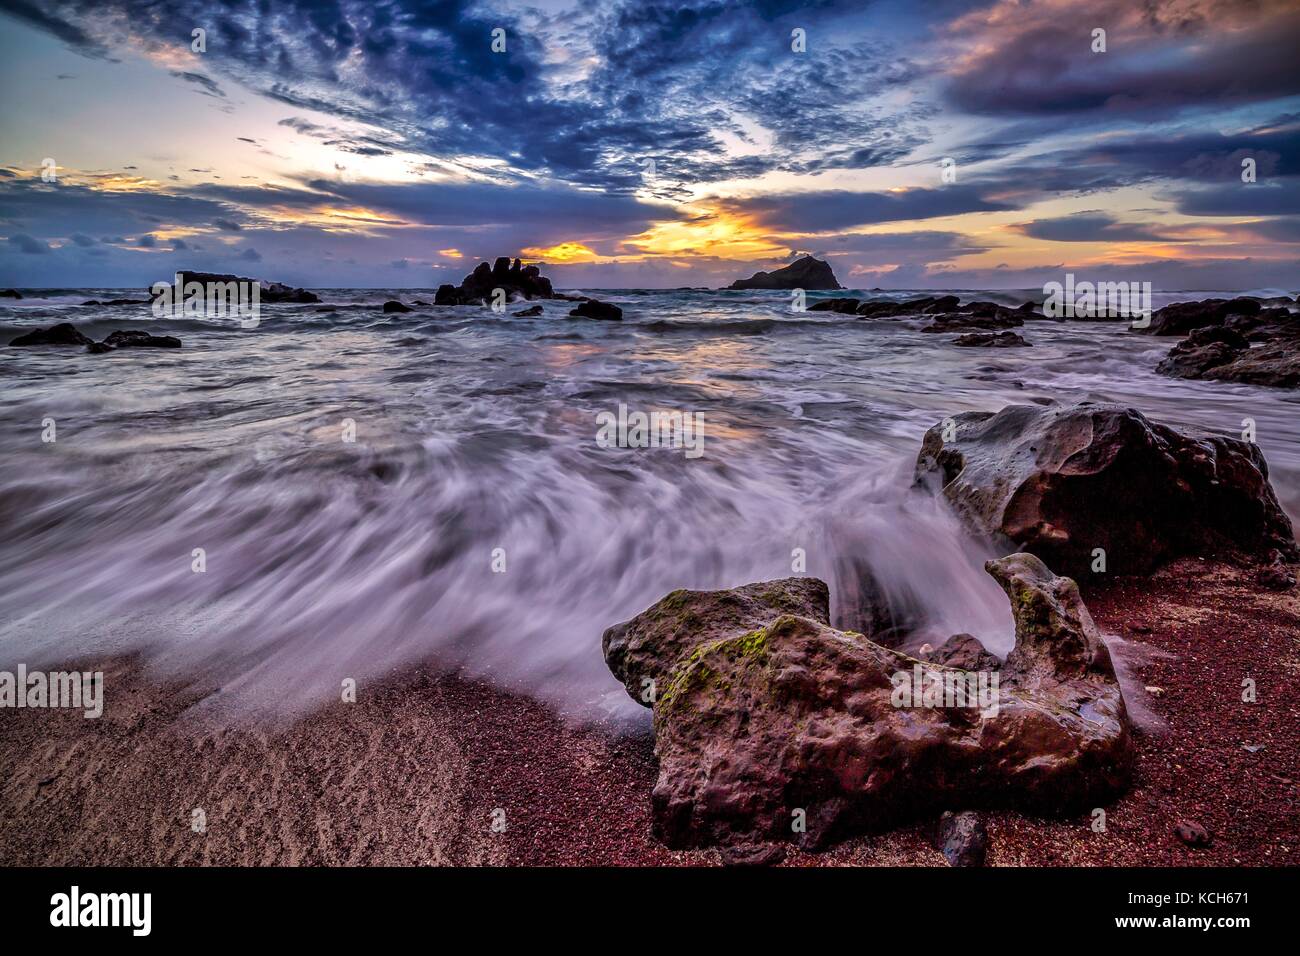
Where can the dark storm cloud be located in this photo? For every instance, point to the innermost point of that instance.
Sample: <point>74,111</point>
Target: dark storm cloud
<point>28,245</point>
<point>1241,200</point>
<point>1160,57</point>
<point>1090,227</point>
<point>837,209</point>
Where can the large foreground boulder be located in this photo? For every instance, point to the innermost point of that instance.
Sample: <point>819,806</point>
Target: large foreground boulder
<point>1062,482</point>
<point>805,273</point>
<point>795,730</point>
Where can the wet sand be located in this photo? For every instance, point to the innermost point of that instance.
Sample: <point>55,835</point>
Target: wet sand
<point>412,773</point>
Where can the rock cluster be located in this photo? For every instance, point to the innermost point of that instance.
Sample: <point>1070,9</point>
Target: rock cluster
<point>1257,348</point>
<point>67,334</point>
<point>270,291</point>
<point>478,288</point>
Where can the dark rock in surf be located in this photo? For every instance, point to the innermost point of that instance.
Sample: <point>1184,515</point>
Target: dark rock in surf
<point>1181,318</point>
<point>10,294</point>
<point>962,838</point>
<point>756,723</point>
<point>516,280</point>
<point>847,306</point>
<point>803,273</point>
<point>116,302</point>
<point>528,313</point>
<point>591,309</point>
<point>1000,340</point>
<point>137,339</point>
<point>392,305</point>
<point>65,333</point>
<point>1064,481</point>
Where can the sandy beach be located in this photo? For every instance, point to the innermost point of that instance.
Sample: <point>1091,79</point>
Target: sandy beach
<point>412,772</point>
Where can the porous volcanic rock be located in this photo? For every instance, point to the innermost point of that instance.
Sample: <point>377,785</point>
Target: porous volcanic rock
<point>1061,481</point>
<point>794,730</point>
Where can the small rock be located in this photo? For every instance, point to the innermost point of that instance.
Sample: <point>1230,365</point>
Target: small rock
<point>592,309</point>
<point>1137,627</point>
<point>752,854</point>
<point>1276,576</point>
<point>65,333</point>
<point>528,313</point>
<point>1155,691</point>
<point>392,305</point>
<point>137,339</point>
<point>1192,833</point>
<point>963,838</point>
<point>998,340</point>
<point>9,294</point>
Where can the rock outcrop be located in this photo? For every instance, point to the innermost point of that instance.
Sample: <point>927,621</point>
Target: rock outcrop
<point>479,287</point>
<point>804,273</point>
<point>1064,481</point>
<point>65,333</point>
<point>273,292</point>
<point>392,305</point>
<point>771,725</point>
<point>10,294</point>
<point>1226,353</point>
<point>845,306</point>
<point>1181,318</point>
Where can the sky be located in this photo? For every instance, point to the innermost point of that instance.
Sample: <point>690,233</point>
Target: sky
<point>635,143</point>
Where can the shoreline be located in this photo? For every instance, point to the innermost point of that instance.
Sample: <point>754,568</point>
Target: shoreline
<point>411,773</point>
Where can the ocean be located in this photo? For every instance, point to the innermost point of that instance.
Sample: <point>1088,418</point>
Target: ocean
<point>475,519</point>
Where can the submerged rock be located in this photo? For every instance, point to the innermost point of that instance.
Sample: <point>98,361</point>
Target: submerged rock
<point>137,339</point>
<point>999,340</point>
<point>804,273</point>
<point>973,321</point>
<point>65,333</point>
<point>847,306</point>
<point>1064,481</point>
<point>528,313</point>
<point>392,305</point>
<point>795,730</point>
<point>10,294</point>
<point>591,309</point>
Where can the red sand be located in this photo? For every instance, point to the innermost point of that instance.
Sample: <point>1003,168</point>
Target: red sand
<point>412,773</point>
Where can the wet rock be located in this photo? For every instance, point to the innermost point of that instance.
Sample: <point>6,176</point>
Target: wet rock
<point>9,294</point>
<point>998,340</point>
<point>926,305</point>
<point>847,306</point>
<point>862,605</point>
<point>963,651</point>
<point>98,348</point>
<point>646,647</point>
<point>1275,364</point>
<point>528,313</point>
<point>805,273</point>
<point>591,309</point>
<point>1064,481</point>
<point>392,305</point>
<point>446,295</point>
<point>1184,317</point>
<point>963,838</point>
<point>1192,833</point>
<point>116,302</point>
<point>65,333</point>
<point>1203,350</point>
<point>796,730</point>
<point>137,339</point>
<point>752,854</point>
<point>479,287</point>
